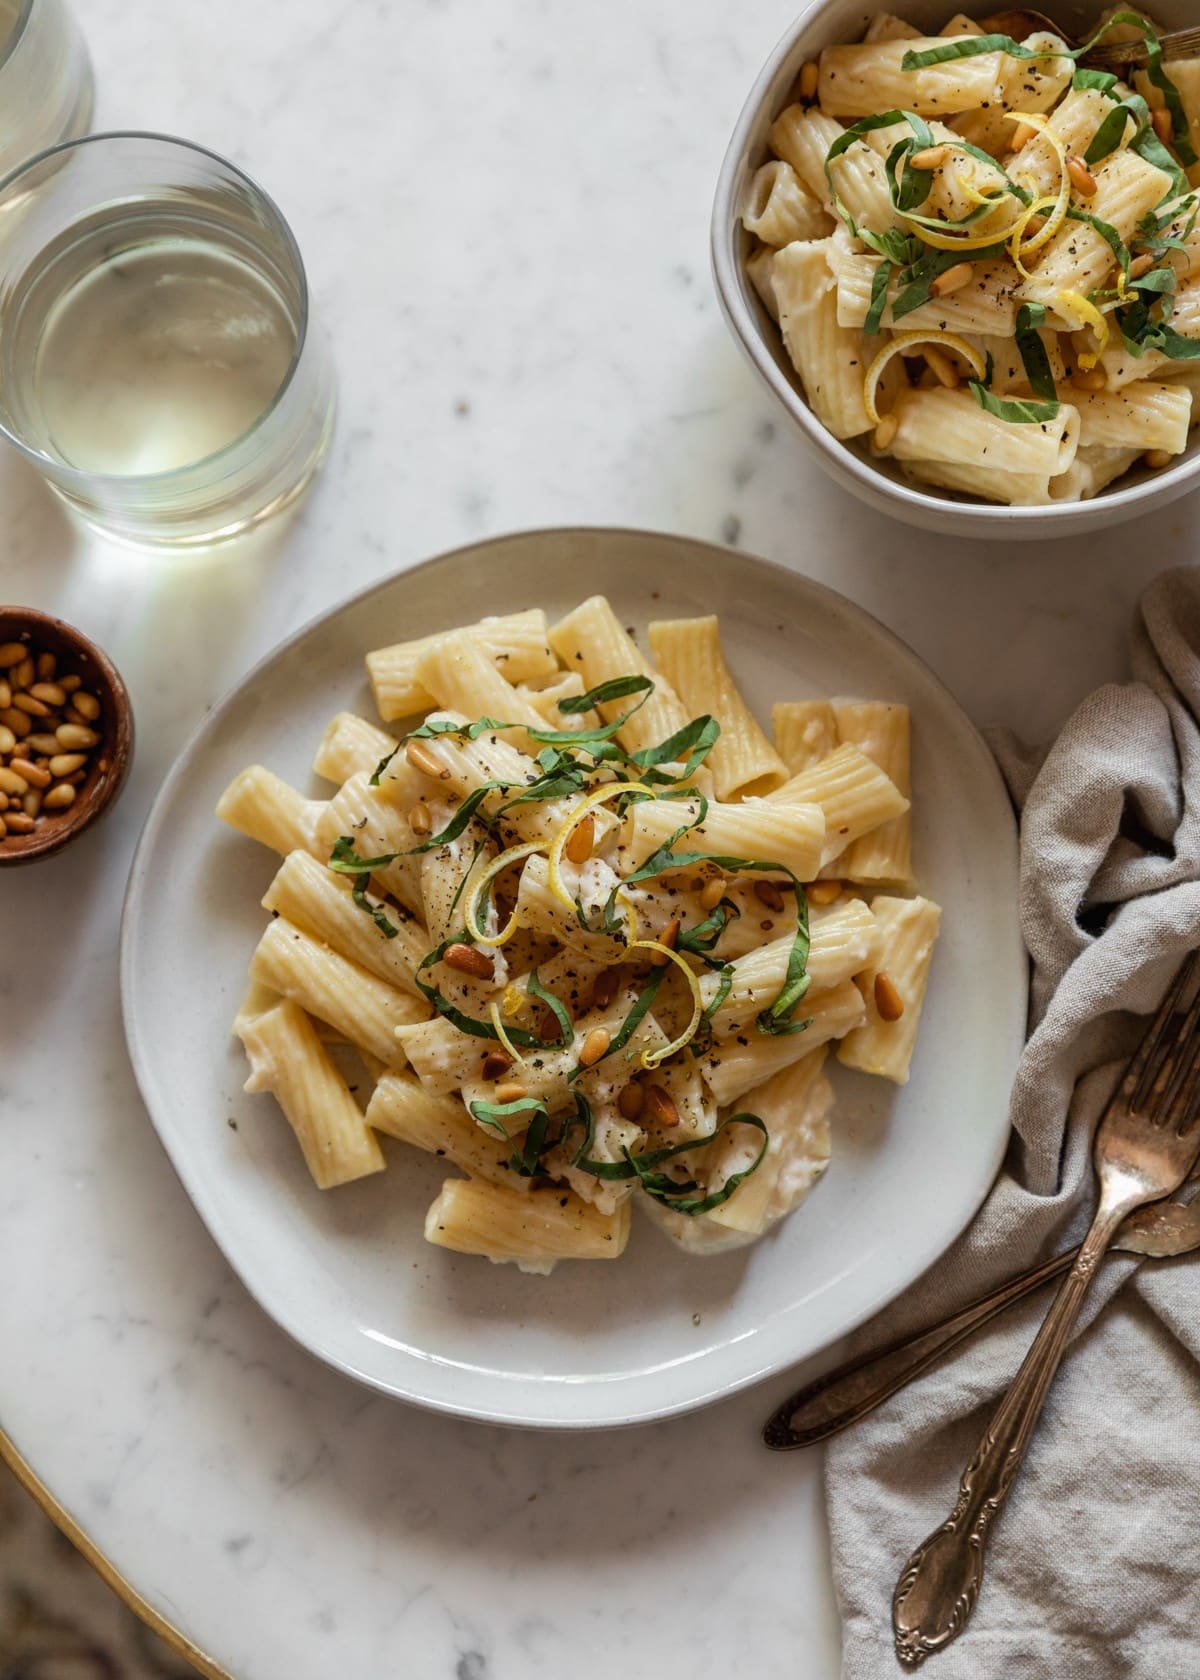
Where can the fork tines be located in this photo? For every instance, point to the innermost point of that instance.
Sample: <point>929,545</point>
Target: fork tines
<point>1163,1079</point>
<point>1111,55</point>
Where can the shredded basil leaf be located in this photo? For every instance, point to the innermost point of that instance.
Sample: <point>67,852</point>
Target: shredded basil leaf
<point>1019,410</point>
<point>1032,351</point>
<point>879,297</point>
<point>618,688</point>
<point>1111,133</point>
<point>493,1115</point>
<point>674,1193</point>
<point>566,1031</point>
<point>1098,81</point>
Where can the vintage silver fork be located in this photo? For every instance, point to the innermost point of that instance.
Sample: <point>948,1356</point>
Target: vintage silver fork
<point>1146,1145</point>
<point>1105,55</point>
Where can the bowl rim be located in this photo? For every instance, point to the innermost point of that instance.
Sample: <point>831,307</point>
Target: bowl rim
<point>120,745</point>
<point>929,509</point>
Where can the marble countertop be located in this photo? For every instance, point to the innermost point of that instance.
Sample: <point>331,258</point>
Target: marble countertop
<point>504,212</point>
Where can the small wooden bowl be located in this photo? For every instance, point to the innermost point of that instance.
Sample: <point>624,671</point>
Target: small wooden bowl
<point>77,656</point>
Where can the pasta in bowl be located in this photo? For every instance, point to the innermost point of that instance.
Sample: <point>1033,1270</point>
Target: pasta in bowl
<point>589,931</point>
<point>986,285</point>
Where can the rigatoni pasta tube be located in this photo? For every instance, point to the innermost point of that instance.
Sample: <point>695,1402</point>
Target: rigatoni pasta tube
<point>780,208</point>
<point>880,729</point>
<point>802,138</point>
<point>794,1105</point>
<point>1013,488</point>
<point>1079,258</point>
<point>320,903</point>
<point>805,731</point>
<point>858,81</point>
<point>853,792</point>
<point>363,1008</point>
<point>842,943</point>
<point>831,360</point>
<point>258,804</point>
<point>460,676</point>
<point>515,644</point>
<point>790,833</point>
<point>472,1216</point>
<point>593,641</point>
<point>688,652</point>
<point>351,744</point>
<point>1141,416</point>
<point>907,931</point>
<point>732,1068</point>
<point>288,1060</point>
<point>985,305</point>
<point>364,814</point>
<point>943,425</point>
<point>402,1107</point>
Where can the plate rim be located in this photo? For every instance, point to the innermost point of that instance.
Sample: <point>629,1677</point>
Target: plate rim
<point>495,1413</point>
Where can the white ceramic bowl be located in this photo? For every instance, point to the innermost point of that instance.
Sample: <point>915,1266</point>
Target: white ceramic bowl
<point>821,24</point>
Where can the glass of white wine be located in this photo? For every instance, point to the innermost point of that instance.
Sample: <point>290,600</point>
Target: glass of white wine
<point>159,364</point>
<point>45,79</point>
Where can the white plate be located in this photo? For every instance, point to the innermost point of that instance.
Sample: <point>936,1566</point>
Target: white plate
<point>348,1273</point>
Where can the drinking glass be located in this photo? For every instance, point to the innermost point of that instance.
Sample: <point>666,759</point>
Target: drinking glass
<point>45,79</point>
<point>159,364</point>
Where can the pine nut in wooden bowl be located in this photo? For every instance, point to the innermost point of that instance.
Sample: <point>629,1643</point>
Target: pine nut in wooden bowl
<point>66,734</point>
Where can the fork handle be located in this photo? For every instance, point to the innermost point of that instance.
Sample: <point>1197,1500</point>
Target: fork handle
<point>936,1593</point>
<point>843,1396</point>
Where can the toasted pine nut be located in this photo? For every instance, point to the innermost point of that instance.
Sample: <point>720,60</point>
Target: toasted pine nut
<point>420,757</point>
<point>49,692</point>
<point>1157,459</point>
<point>420,819</point>
<point>11,653</point>
<point>1082,179</point>
<point>47,666</point>
<point>931,158</point>
<point>22,767</point>
<point>31,706</point>
<point>952,280</point>
<point>1090,379</point>
<point>72,737</point>
<point>7,739</point>
<point>581,840</point>
<point>885,432</point>
<point>810,75</point>
<point>17,721</point>
<point>45,744</point>
<point>66,764</point>
<point>12,782</point>
<point>766,892</point>
<point>608,983</point>
<point>944,370</point>
<point>70,684</point>
<point>87,706</point>
<point>888,1001</point>
<point>3,827</point>
<point>594,1047</point>
<point>18,823</point>
<point>823,892</point>
<point>1022,135</point>
<point>509,1093</point>
<point>32,803</point>
<point>3,802</point>
<point>24,673</point>
<point>660,1105</point>
<point>712,894</point>
<point>667,937</point>
<point>468,959</point>
<point>5,693</point>
<point>1162,125</point>
<point>1142,265</point>
<point>495,1063</point>
<point>631,1100</point>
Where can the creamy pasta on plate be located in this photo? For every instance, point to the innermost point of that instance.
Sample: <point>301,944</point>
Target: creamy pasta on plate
<point>590,931</point>
<point>984,260</point>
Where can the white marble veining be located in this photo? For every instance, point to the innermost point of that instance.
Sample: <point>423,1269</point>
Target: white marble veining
<point>504,212</point>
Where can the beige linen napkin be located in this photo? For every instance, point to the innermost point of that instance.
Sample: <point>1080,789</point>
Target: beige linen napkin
<point>1094,1567</point>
